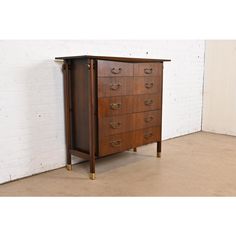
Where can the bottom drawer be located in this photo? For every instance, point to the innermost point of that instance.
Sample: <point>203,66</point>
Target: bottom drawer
<point>124,141</point>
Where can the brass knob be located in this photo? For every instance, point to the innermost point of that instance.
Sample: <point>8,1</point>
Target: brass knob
<point>148,71</point>
<point>115,143</point>
<point>115,106</point>
<point>148,102</point>
<point>148,119</point>
<point>148,135</point>
<point>115,125</point>
<point>115,86</point>
<point>148,85</point>
<point>115,71</point>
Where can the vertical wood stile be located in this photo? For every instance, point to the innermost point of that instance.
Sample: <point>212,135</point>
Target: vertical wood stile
<point>92,118</point>
<point>67,107</point>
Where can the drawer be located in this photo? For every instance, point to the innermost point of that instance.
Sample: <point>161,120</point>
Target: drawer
<point>115,143</point>
<point>148,135</point>
<point>146,85</point>
<point>148,69</point>
<point>125,123</point>
<point>124,141</point>
<point>147,119</point>
<point>113,106</point>
<point>146,102</point>
<point>119,86</point>
<point>114,68</point>
<point>115,86</point>
<point>116,124</point>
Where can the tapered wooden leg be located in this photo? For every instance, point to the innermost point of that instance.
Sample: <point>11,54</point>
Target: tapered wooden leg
<point>135,149</point>
<point>158,149</point>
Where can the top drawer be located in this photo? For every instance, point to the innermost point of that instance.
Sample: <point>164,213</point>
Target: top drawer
<point>114,68</point>
<point>147,69</point>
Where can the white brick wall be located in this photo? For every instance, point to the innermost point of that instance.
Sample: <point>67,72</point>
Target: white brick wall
<point>31,96</point>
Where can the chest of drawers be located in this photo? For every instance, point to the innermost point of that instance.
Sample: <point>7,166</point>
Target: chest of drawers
<point>112,104</point>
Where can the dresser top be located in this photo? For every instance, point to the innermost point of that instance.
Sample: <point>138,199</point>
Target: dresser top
<point>122,59</point>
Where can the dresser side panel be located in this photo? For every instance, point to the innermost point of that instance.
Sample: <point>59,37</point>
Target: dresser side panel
<point>80,104</point>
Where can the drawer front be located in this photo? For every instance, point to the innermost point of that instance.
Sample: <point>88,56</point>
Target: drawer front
<point>148,69</point>
<point>125,123</point>
<point>128,104</point>
<point>146,85</point>
<point>147,119</point>
<point>119,86</point>
<point>113,106</point>
<point>147,102</point>
<point>115,143</point>
<point>148,135</point>
<point>115,86</point>
<point>113,68</point>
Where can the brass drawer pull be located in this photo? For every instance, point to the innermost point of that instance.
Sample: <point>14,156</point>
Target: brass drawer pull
<point>115,143</point>
<point>148,71</point>
<point>148,119</point>
<point>115,125</point>
<point>148,135</point>
<point>148,102</point>
<point>114,71</point>
<point>115,86</point>
<point>148,85</point>
<point>115,106</point>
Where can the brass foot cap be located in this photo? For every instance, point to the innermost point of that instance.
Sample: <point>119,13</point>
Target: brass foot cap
<point>158,154</point>
<point>69,167</point>
<point>92,176</point>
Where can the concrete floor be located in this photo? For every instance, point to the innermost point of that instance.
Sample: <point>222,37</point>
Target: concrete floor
<point>200,164</point>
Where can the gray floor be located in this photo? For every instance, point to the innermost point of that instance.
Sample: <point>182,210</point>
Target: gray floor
<point>200,164</point>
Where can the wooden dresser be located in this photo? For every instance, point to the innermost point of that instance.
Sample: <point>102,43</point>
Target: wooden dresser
<point>112,104</point>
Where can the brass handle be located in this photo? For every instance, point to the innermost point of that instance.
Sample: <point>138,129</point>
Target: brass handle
<point>148,135</point>
<point>148,85</point>
<point>148,71</point>
<point>115,86</point>
<point>114,71</point>
<point>115,143</point>
<point>115,106</point>
<point>148,102</point>
<point>148,119</point>
<point>115,125</point>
